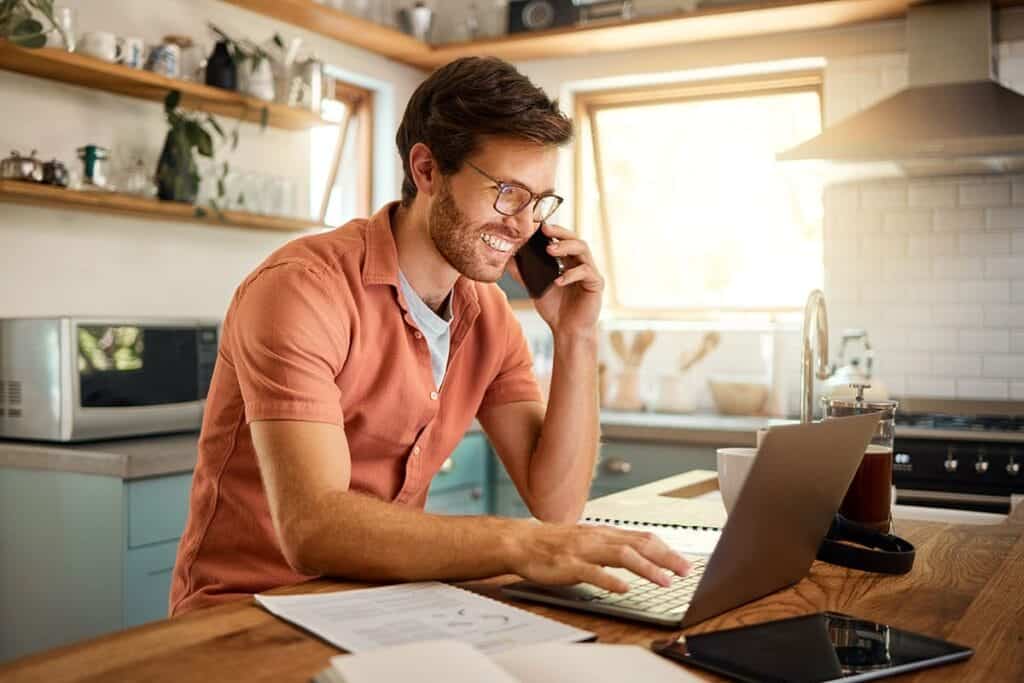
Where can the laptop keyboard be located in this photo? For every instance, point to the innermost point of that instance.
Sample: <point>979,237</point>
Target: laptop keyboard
<point>644,596</point>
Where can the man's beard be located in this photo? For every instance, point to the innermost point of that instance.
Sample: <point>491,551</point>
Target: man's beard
<point>455,240</point>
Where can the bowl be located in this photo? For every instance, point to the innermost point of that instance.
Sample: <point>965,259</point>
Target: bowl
<point>739,397</point>
<point>733,467</point>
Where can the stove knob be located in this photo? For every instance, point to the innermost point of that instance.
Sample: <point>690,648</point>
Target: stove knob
<point>1013,468</point>
<point>981,467</point>
<point>951,463</point>
<point>902,459</point>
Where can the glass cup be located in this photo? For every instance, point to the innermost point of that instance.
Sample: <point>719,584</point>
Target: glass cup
<point>868,501</point>
<point>65,18</point>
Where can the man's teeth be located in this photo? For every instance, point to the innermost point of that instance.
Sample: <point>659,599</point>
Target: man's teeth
<point>496,242</point>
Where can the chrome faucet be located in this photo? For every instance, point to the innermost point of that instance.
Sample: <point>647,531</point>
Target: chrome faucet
<point>815,309</point>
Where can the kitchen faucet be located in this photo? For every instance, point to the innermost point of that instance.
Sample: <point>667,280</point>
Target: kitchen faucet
<point>815,309</point>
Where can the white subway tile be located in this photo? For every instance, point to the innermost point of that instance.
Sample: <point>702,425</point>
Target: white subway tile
<point>956,365</point>
<point>897,385</point>
<point>878,247</point>
<point>1018,293</point>
<point>957,220</point>
<point>907,315</point>
<point>932,292</point>
<point>986,194</point>
<point>931,339</point>
<point>932,196</point>
<point>1009,267</point>
<point>907,269</point>
<point>985,291</point>
<point>1004,315</point>
<point>1017,391</point>
<point>1011,218</point>
<point>892,196</point>
<point>888,339</point>
<point>912,363</point>
<point>985,244</point>
<point>958,267</point>
<point>982,388</point>
<point>933,387</point>
<point>875,292</point>
<point>1005,366</point>
<point>1018,192</point>
<point>958,315</point>
<point>1017,341</point>
<point>855,222</point>
<point>841,198</point>
<point>935,244</point>
<point>915,220</point>
<point>985,341</point>
<point>1018,242</point>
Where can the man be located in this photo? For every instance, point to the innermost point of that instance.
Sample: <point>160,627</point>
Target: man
<point>352,363</point>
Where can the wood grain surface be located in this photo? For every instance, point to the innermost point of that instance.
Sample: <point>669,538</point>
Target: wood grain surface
<point>966,586</point>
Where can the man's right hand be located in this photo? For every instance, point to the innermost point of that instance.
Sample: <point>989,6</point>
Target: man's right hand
<point>561,554</point>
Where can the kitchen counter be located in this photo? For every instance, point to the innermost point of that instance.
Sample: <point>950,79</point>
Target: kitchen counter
<point>964,587</point>
<point>134,458</point>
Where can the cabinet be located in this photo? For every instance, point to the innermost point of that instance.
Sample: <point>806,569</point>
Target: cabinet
<point>462,486</point>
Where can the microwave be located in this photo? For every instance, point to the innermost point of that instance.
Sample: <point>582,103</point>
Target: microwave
<point>82,379</point>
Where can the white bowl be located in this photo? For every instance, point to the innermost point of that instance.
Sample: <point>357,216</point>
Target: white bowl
<point>733,466</point>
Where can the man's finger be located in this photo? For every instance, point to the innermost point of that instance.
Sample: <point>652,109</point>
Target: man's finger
<point>576,248</point>
<point>627,557</point>
<point>654,549</point>
<point>584,274</point>
<point>595,576</point>
<point>558,232</point>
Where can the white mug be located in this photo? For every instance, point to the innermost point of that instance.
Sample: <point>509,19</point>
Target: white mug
<point>133,52</point>
<point>100,44</point>
<point>165,60</point>
<point>733,466</point>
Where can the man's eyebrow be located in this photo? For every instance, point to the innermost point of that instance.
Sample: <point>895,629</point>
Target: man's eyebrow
<point>516,181</point>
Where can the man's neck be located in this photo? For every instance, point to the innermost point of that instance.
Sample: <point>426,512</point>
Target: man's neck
<point>430,275</point>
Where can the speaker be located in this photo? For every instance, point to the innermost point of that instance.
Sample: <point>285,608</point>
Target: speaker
<point>537,15</point>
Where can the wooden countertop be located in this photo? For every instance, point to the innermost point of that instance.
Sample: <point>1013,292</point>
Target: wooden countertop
<point>965,587</point>
<point>144,456</point>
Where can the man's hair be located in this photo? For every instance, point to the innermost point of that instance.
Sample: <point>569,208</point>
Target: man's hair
<point>471,98</point>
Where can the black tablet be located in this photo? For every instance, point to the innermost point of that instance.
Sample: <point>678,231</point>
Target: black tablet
<point>826,646</point>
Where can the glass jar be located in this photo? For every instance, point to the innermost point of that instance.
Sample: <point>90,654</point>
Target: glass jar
<point>869,499</point>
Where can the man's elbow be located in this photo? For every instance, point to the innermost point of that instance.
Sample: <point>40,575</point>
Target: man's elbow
<point>301,547</point>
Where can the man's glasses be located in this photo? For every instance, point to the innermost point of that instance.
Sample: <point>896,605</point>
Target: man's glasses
<point>513,198</point>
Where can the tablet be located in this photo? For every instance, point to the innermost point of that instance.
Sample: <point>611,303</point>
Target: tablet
<point>826,646</point>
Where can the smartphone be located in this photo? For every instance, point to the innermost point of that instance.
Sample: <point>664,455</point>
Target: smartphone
<point>536,266</point>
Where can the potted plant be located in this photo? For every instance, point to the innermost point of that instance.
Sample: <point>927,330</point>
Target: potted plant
<point>252,63</point>
<point>19,25</point>
<point>177,172</point>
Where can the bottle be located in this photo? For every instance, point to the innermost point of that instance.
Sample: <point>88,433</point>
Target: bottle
<point>221,71</point>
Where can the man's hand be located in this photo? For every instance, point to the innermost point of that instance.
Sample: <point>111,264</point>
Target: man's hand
<point>574,302</point>
<point>559,554</point>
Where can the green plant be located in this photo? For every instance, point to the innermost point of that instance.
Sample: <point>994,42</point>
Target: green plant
<point>19,25</point>
<point>194,132</point>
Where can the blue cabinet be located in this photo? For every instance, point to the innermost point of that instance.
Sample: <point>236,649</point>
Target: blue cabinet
<point>461,487</point>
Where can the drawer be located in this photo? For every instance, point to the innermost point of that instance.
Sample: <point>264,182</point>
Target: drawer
<point>147,582</point>
<point>471,500</point>
<point>626,464</point>
<point>466,466</point>
<point>157,508</point>
<point>507,502</point>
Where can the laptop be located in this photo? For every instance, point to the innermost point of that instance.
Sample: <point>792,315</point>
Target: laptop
<point>770,539</point>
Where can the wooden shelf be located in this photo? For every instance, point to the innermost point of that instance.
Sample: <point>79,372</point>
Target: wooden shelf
<point>78,69</point>
<point>48,196</point>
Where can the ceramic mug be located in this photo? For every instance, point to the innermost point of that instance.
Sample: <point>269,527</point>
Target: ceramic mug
<point>101,45</point>
<point>733,466</point>
<point>132,52</point>
<point>165,60</point>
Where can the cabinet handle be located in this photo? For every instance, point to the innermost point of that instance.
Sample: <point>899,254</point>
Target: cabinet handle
<point>618,466</point>
<point>476,493</point>
<point>447,466</point>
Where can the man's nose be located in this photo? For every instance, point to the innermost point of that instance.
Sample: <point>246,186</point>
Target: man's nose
<point>520,224</point>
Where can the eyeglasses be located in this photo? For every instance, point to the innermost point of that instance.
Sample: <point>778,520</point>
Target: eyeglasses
<point>513,198</point>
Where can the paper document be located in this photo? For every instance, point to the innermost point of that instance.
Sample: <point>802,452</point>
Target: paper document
<point>684,540</point>
<point>369,618</point>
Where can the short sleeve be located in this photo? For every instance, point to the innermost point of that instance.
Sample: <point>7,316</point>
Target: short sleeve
<point>288,342</point>
<point>515,380</point>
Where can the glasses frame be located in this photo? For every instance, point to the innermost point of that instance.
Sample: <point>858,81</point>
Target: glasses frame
<point>534,199</point>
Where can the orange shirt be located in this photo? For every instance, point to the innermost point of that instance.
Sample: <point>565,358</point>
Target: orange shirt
<point>321,330</point>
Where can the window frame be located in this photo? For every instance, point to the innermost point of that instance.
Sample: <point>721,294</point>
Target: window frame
<point>586,106</point>
<point>359,105</point>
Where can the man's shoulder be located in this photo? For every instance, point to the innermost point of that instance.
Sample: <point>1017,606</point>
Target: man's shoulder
<point>329,255</point>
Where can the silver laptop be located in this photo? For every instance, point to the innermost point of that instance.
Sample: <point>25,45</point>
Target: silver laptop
<point>769,541</point>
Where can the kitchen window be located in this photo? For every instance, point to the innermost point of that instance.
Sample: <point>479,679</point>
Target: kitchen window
<point>342,157</point>
<point>689,214</point>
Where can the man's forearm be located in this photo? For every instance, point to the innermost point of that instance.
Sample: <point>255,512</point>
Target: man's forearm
<point>359,537</point>
<point>562,466</point>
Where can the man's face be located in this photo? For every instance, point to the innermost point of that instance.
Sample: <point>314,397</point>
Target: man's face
<point>466,229</point>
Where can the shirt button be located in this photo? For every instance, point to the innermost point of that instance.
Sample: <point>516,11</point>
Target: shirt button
<point>416,450</point>
<point>433,395</point>
<point>418,334</point>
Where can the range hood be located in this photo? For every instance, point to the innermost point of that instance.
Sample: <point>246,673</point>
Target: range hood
<point>953,118</point>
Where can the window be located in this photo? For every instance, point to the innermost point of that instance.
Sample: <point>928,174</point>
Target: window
<point>689,213</point>
<point>341,181</point>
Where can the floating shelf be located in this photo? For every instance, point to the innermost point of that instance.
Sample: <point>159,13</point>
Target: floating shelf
<point>48,196</point>
<point>77,69</point>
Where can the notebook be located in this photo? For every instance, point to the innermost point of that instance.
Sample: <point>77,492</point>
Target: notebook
<point>370,618</point>
<point>456,662</point>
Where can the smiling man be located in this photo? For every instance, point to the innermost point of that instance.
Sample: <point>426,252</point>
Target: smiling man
<point>352,363</point>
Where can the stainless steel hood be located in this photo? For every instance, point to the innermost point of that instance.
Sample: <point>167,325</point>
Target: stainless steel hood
<point>953,117</point>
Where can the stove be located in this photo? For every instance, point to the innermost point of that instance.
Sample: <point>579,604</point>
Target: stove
<point>957,461</point>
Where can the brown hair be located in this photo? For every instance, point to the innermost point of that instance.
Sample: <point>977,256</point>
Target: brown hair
<point>468,99</point>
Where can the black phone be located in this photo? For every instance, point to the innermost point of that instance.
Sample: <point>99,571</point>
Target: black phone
<point>536,266</point>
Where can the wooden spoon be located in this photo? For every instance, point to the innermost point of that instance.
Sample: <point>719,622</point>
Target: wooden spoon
<point>708,343</point>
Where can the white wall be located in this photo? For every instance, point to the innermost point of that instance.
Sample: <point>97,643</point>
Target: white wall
<point>59,262</point>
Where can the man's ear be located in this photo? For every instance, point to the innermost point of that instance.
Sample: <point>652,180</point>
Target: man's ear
<point>425,173</point>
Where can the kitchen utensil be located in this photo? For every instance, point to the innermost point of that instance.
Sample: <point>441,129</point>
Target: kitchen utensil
<point>708,343</point>
<point>860,370</point>
<point>55,173</point>
<point>94,161</point>
<point>675,394</point>
<point>627,390</point>
<point>100,44</point>
<point>18,167</point>
<point>739,397</point>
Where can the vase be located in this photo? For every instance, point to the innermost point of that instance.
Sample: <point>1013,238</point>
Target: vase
<point>177,177</point>
<point>221,71</point>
